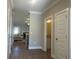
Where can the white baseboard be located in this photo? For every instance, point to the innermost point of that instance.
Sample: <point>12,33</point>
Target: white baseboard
<point>53,56</point>
<point>35,47</point>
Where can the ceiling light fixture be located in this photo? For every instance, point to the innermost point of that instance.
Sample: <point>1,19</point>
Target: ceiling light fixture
<point>33,1</point>
<point>48,21</point>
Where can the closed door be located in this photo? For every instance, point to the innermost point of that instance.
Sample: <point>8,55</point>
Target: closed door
<point>61,35</point>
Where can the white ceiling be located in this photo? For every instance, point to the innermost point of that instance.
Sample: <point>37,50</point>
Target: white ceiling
<point>22,7</point>
<point>39,6</point>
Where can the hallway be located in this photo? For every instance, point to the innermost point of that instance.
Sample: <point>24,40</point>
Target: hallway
<point>19,52</point>
<point>30,17</point>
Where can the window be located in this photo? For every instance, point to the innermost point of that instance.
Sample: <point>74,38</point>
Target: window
<point>16,30</point>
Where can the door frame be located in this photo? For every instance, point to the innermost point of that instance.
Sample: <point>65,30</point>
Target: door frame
<point>45,33</point>
<point>68,34</point>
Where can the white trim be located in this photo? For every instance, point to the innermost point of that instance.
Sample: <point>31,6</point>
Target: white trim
<point>65,10</point>
<point>45,32</point>
<point>45,39</point>
<point>32,47</point>
<point>34,12</point>
<point>50,6</point>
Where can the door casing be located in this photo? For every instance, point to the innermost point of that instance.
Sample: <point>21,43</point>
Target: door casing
<point>52,35</point>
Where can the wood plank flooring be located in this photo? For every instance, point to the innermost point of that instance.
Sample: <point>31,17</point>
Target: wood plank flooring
<point>19,51</point>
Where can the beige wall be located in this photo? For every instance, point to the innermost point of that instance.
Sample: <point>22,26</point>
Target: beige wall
<point>61,5</point>
<point>35,31</point>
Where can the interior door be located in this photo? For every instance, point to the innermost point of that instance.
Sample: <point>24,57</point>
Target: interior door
<point>61,35</point>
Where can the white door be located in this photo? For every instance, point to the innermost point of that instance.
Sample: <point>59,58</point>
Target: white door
<point>61,34</point>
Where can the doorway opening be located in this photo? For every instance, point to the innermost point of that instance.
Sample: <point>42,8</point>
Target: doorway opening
<point>48,35</point>
<point>21,27</point>
<point>48,22</point>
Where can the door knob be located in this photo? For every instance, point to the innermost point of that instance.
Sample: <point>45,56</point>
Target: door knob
<point>56,38</point>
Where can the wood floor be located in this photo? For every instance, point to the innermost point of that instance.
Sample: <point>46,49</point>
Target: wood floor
<point>19,51</point>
